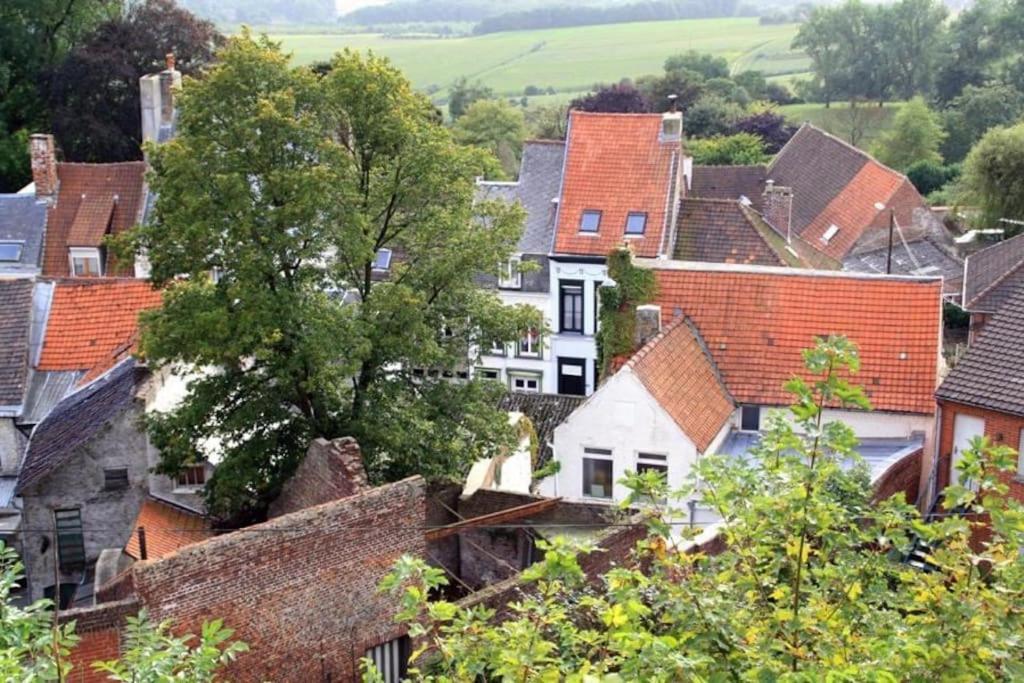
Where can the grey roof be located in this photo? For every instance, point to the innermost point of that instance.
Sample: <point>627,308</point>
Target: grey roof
<point>22,219</point>
<point>991,373</point>
<point>878,454</point>
<point>993,274</point>
<point>45,390</point>
<point>546,412</point>
<point>729,182</point>
<point>929,258</point>
<point>540,181</point>
<point>15,329</point>
<point>77,419</point>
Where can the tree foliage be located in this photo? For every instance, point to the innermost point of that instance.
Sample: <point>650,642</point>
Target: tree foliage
<point>811,585</point>
<point>496,126</point>
<point>618,98</point>
<point>976,110</point>
<point>617,315</point>
<point>741,149</point>
<point>915,135</point>
<point>767,124</point>
<point>993,175</point>
<point>463,94</point>
<point>93,94</point>
<point>287,185</point>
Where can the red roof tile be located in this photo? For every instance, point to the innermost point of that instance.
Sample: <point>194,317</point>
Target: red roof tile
<point>678,372</point>
<point>90,319</point>
<point>615,164</point>
<point>168,528</point>
<point>757,321</point>
<point>92,200</point>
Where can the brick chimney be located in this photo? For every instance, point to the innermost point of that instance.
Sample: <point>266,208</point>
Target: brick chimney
<point>778,208</point>
<point>648,324</point>
<point>43,151</point>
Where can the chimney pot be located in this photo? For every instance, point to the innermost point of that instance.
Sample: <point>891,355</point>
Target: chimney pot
<point>648,324</point>
<point>169,61</point>
<point>43,152</point>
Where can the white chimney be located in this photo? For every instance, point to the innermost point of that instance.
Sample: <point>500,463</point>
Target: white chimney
<point>156,97</point>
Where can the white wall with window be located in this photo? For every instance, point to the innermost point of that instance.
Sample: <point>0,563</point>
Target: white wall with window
<point>574,289</point>
<point>85,261</point>
<point>521,364</point>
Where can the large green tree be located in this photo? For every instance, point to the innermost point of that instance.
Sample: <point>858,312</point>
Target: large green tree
<point>811,584</point>
<point>993,175</point>
<point>498,127</point>
<point>974,111</point>
<point>289,186</point>
<point>34,36</point>
<point>915,135</point>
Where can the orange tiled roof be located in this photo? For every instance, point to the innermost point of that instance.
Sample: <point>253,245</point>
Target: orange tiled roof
<point>168,528</point>
<point>92,200</point>
<point>756,322</point>
<point>615,164</point>
<point>90,319</point>
<point>681,376</point>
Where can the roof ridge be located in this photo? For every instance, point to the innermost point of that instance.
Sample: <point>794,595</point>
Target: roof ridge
<point>93,164</point>
<point>747,211</point>
<point>754,269</point>
<point>544,141</point>
<point>580,112</point>
<point>864,153</point>
<point>181,507</point>
<point>995,283</point>
<point>991,247</point>
<point>642,352</point>
<point>699,338</point>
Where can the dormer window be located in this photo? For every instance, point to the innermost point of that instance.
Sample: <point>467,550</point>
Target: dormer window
<point>383,260</point>
<point>636,223</point>
<point>10,251</point>
<point>509,276</point>
<point>590,221</point>
<point>85,261</point>
<point>832,231</point>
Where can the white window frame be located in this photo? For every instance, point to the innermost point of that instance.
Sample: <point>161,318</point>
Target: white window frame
<point>597,227</point>
<point>534,344</point>
<point>526,375</point>
<point>509,276</point>
<point>652,461</point>
<point>85,253</point>
<point>17,244</point>
<point>830,234</point>
<point>385,254</point>
<point>643,228</point>
<point>493,374</point>
<point>597,454</point>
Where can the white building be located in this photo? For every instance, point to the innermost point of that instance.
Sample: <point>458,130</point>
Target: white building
<point>706,382</point>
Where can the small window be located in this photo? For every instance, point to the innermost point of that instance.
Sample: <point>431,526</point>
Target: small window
<point>652,462</point>
<point>509,276</point>
<point>193,476</point>
<point>597,473</point>
<point>528,382</point>
<point>750,418</point>
<point>529,343</point>
<point>115,479</point>
<point>382,260</point>
<point>496,349</point>
<point>830,233</point>
<point>571,295</point>
<point>85,262</point>
<point>391,659</point>
<point>636,223</point>
<point>10,251</point>
<point>70,541</point>
<point>590,221</point>
<point>489,374</point>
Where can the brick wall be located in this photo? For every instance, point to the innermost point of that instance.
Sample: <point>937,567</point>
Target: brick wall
<point>1000,428</point>
<point>299,589</point>
<point>99,632</point>
<point>902,477</point>
<point>331,470</point>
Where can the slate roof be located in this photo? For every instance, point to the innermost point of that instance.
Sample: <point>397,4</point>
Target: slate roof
<point>92,200</point>
<point>91,318</point>
<point>45,390</point>
<point>540,177</point>
<point>75,420</point>
<point>730,182</point>
<point>991,373</point>
<point>992,275</point>
<point>15,327</point>
<point>679,372</point>
<point>723,231</point>
<point>756,322</point>
<point>835,183</point>
<point>924,257</point>
<point>546,412</point>
<point>22,220</point>
<point>615,164</point>
<point>168,528</point>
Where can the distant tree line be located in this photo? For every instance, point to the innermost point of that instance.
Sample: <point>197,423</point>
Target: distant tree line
<point>422,11</point>
<point>651,10</point>
<point>264,11</point>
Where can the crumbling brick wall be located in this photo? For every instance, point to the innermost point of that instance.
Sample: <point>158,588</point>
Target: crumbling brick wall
<point>330,471</point>
<point>902,477</point>
<point>99,631</point>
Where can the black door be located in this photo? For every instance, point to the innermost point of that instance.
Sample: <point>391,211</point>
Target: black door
<point>572,376</point>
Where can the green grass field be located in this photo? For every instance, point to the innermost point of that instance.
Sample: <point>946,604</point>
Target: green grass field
<point>568,60</point>
<point>860,127</point>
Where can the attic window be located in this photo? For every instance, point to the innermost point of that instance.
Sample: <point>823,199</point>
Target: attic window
<point>10,251</point>
<point>85,262</point>
<point>590,221</point>
<point>382,260</point>
<point>832,231</point>
<point>636,223</point>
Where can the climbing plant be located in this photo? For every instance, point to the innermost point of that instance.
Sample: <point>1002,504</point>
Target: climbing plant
<point>633,286</point>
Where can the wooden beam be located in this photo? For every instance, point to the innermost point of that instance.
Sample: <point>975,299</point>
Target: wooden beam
<point>494,518</point>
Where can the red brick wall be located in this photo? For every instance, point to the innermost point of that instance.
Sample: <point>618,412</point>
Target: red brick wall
<point>903,477</point>
<point>301,590</point>
<point>99,632</point>
<point>330,471</point>
<point>1000,428</point>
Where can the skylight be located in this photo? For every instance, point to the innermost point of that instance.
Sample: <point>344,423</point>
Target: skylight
<point>383,260</point>
<point>10,251</point>
<point>636,223</point>
<point>830,233</point>
<point>590,221</point>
